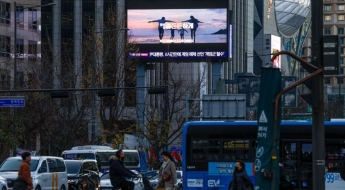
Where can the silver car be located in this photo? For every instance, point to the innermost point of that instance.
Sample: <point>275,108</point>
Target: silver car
<point>154,180</point>
<point>105,183</point>
<point>3,183</point>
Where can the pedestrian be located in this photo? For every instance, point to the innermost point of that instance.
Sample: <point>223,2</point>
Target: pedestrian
<point>241,180</point>
<point>24,180</point>
<point>167,170</point>
<point>118,172</point>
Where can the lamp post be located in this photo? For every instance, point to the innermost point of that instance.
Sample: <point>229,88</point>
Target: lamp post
<point>93,99</point>
<point>15,59</point>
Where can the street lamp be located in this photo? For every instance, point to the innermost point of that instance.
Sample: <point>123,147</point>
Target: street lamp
<point>93,100</point>
<point>15,58</point>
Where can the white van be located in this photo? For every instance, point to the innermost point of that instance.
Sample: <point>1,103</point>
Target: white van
<point>47,172</point>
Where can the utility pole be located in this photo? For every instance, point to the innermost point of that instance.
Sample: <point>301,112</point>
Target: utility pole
<point>318,129</point>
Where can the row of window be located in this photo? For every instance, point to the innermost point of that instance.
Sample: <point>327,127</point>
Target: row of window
<point>340,17</point>
<point>5,79</point>
<point>329,7</point>
<point>5,48</point>
<point>5,15</point>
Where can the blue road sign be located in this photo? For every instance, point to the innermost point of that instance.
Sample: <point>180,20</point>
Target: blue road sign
<point>12,102</point>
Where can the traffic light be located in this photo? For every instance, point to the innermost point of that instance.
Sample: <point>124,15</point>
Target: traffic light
<point>60,94</point>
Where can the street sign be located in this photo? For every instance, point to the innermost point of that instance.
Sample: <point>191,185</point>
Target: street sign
<point>12,102</point>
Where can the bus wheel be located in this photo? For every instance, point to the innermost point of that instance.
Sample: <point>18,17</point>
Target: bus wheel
<point>38,188</point>
<point>63,188</point>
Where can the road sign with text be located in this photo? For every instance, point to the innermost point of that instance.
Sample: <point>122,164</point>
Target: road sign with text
<point>12,102</point>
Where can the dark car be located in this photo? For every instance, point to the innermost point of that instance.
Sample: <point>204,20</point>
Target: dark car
<point>82,174</point>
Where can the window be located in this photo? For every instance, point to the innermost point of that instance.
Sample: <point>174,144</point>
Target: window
<point>32,50</point>
<point>5,45</point>
<point>340,7</point>
<point>20,16</point>
<point>341,61</point>
<point>327,80</point>
<point>340,30</point>
<point>341,50</point>
<point>341,17</point>
<point>20,79</point>
<point>5,79</point>
<point>32,19</point>
<point>61,165</point>
<point>341,70</point>
<point>52,165</point>
<point>20,48</point>
<point>327,31</point>
<point>341,40</point>
<point>327,8</point>
<point>5,15</point>
<point>327,17</point>
<point>44,166</point>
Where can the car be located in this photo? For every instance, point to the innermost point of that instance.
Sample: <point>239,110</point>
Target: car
<point>154,180</point>
<point>82,174</point>
<point>105,183</point>
<point>47,172</point>
<point>3,184</point>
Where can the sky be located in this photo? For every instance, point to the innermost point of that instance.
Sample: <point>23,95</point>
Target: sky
<point>214,19</point>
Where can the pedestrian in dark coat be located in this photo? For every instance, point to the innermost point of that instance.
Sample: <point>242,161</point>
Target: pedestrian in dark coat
<point>118,173</point>
<point>240,179</point>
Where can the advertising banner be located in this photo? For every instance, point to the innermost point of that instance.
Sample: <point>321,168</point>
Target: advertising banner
<point>265,162</point>
<point>154,26</point>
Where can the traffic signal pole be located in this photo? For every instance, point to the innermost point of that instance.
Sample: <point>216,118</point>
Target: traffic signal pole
<point>318,129</point>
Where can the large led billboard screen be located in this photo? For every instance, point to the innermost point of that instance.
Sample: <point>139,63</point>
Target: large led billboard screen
<point>185,30</point>
<point>154,26</point>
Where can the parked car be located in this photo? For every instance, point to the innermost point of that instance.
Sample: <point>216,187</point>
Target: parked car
<point>48,172</point>
<point>3,183</point>
<point>179,175</point>
<point>82,174</point>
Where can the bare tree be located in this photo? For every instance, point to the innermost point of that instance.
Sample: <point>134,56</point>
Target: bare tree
<point>165,113</point>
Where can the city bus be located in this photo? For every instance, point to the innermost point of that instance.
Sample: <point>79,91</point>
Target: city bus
<point>102,154</point>
<point>212,148</point>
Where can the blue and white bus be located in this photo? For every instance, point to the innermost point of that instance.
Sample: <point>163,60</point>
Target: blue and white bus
<point>212,148</point>
<point>102,154</point>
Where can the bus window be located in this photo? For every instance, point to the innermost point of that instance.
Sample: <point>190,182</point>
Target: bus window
<point>236,148</point>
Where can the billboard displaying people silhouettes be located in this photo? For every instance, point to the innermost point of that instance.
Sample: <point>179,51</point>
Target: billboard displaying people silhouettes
<point>204,25</point>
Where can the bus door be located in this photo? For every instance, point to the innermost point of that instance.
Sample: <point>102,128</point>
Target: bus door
<point>297,160</point>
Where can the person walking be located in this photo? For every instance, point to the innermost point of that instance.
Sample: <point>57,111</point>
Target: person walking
<point>161,23</point>
<point>24,180</point>
<point>168,169</point>
<point>240,179</point>
<point>118,172</point>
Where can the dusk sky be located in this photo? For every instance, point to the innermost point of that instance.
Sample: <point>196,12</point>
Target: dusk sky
<point>214,19</point>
